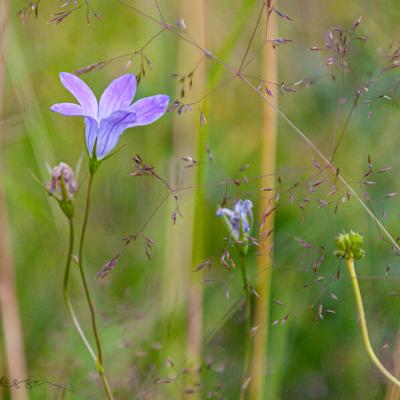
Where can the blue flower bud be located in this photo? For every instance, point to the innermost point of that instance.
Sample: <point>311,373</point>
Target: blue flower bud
<point>239,222</point>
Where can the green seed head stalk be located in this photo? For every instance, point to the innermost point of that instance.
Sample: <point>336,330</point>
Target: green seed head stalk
<point>349,248</point>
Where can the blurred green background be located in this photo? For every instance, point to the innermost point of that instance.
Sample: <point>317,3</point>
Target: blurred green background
<point>310,357</point>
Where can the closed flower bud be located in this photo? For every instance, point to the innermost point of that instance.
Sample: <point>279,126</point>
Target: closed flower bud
<point>62,186</point>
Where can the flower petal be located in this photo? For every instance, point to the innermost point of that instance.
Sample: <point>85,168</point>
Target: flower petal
<point>82,93</point>
<point>111,128</point>
<point>118,95</point>
<point>69,109</point>
<point>149,109</point>
<point>225,211</point>
<point>92,131</point>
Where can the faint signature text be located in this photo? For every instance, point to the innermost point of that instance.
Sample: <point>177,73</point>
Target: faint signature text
<point>27,383</point>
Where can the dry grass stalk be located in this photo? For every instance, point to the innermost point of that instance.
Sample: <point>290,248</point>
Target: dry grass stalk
<point>264,261</point>
<point>196,23</point>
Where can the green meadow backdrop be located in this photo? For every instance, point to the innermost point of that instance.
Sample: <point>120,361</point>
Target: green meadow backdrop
<point>315,349</point>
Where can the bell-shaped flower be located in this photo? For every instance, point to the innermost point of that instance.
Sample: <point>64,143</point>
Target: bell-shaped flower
<point>106,120</point>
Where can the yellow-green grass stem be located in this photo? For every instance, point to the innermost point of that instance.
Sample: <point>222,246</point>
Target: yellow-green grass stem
<point>247,354</point>
<point>196,17</point>
<point>195,301</point>
<point>363,325</point>
<point>268,148</point>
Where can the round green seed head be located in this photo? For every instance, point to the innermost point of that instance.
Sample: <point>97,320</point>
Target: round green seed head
<point>348,245</point>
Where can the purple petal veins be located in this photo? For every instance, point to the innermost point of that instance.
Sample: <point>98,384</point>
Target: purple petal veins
<point>91,131</point>
<point>111,128</point>
<point>118,95</point>
<point>82,92</point>
<point>105,122</point>
<point>149,109</point>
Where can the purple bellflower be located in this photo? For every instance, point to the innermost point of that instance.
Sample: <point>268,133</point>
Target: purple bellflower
<point>106,120</point>
<point>239,221</point>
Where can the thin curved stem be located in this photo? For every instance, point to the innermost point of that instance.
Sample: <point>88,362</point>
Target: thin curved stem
<point>99,360</point>
<point>82,272</point>
<point>66,296</point>
<point>364,328</point>
<point>247,353</point>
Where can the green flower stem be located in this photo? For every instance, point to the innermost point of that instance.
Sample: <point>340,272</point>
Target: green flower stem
<point>99,360</point>
<point>246,364</point>
<point>66,296</point>
<point>363,323</point>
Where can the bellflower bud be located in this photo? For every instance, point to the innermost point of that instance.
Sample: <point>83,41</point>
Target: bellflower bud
<point>62,186</point>
<point>239,222</point>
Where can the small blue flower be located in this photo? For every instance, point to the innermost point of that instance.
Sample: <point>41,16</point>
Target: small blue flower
<point>239,220</point>
<point>106,120</point>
